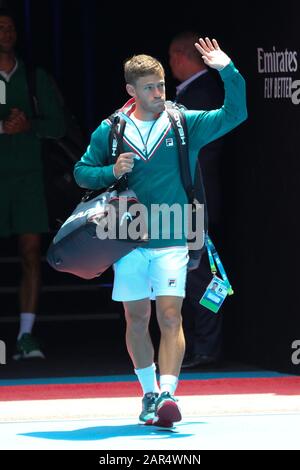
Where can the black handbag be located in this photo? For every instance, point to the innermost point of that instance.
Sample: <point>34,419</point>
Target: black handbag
<point>99,232</point>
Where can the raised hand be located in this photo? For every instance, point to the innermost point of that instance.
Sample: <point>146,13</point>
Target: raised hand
<point>212,54</point>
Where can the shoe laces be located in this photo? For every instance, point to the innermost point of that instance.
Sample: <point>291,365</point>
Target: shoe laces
<point>149,399</point>
<point>166,395</point>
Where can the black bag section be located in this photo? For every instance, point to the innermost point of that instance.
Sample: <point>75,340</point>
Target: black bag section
<point>194,187</point>
<point>59,156</point>
<point>77,247</point>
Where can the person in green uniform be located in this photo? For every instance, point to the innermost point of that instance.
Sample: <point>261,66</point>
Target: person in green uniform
<point>22,201</point>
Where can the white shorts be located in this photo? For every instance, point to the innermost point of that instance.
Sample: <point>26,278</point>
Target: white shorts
<point>148,272</point>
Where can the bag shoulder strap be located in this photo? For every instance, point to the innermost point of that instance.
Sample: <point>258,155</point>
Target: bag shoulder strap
<point>194,189</point>
<point>116,146</point>
<point>178,122</point>
<point>116,136</point>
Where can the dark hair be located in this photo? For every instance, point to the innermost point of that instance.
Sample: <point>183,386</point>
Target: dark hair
<point>184,42</point>
<point>8,13</point>
<point>140,66</point>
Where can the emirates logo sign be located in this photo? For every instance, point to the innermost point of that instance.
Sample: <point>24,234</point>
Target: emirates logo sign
<point>279,69</point>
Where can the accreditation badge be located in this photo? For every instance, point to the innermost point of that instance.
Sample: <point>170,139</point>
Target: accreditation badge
<point>215,294</point>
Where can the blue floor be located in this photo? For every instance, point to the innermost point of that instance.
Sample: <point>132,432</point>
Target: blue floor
<point>199,433</point>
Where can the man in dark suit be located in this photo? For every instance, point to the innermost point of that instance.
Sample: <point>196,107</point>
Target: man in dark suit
<point>200,89</point>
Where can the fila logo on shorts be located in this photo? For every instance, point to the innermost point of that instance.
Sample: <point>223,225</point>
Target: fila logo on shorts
<point>172,282</point>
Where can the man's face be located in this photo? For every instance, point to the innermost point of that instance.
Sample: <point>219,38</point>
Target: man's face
<point>149,93</point>
<point>8,35</point>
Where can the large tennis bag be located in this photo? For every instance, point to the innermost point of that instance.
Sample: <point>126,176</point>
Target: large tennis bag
<point>99,232</point>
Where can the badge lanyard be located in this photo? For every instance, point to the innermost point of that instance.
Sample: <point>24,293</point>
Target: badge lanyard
<point>214,259</point>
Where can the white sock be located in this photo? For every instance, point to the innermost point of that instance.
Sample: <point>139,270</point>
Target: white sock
<point>147,379</point>
<point>168,383</point>
<point>26,323</point>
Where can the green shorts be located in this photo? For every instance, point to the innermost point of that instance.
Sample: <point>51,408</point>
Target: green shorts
<point>23,207</point>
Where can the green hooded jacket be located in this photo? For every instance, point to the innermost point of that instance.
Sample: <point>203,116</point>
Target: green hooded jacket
<point>156,177</point>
